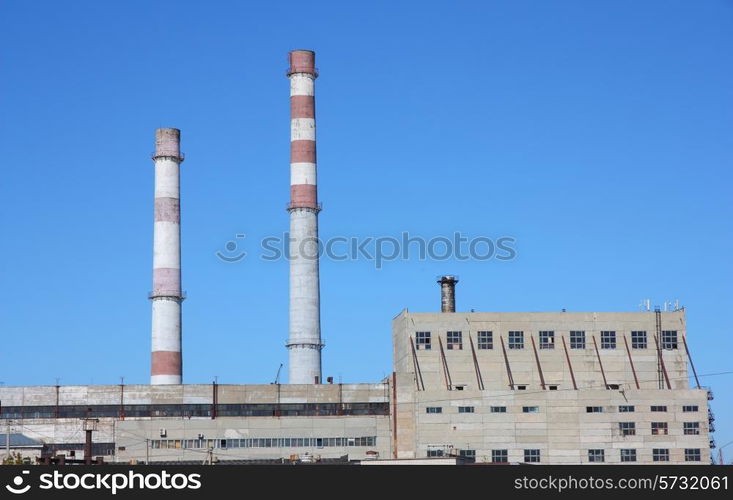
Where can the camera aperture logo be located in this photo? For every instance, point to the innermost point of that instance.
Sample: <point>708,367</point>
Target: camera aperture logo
<point>111,482</point>
<point>18,488</point>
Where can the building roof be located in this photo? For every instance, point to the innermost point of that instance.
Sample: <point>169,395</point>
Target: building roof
<point>20,441</point>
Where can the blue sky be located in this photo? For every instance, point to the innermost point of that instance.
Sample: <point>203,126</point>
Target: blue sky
<point>598,134</point>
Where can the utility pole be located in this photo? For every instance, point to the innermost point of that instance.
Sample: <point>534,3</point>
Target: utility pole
<point>720,452</point>
<point>7,439</point>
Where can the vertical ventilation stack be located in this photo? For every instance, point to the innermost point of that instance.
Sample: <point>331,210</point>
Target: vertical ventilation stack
<point>304,341</point>
<point>166,365</point>
<point>448,293</point>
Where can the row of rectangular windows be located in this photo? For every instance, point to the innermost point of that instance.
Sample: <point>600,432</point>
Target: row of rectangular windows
<point>290,442</point>
<point>625,428</point>
<point>632,408</point>
<point>535,409</point>
<point>454,339</point>
<point>658,455</point>
<point>594,455</point>
<point>659,428</point>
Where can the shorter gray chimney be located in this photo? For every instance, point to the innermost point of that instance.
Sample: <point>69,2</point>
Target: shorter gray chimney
<point>448,293</point>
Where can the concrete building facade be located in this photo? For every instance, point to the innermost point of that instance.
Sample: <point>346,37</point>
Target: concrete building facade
<point>553,388</point>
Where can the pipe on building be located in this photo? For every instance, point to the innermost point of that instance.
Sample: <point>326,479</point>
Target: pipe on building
<point>631,362</point>
<point>539,365</point>
<point>446,371</point>
<point>304,339</point>
<point>479,378</point>
<point>600,363</point>
<point>448,293</point>
<point>506,363</point>
<point>416,365</point>
<point>167,296</point>
<point>570,365</point>
<point>394,414</point>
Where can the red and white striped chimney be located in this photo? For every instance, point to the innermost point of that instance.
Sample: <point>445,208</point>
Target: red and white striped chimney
<point>166,364</point>
<point>304,341</point>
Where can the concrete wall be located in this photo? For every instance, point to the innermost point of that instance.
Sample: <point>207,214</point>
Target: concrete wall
<point>132,435</point>
<point>129,432</point>
<point>585,364</point>
<point>562,429</point>
<point>193,394</point>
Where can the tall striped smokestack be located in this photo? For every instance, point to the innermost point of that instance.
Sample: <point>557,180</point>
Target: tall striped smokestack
<point>166,366</point>
<point>304,341</point>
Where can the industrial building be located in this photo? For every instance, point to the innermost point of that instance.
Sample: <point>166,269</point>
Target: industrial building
<point>484,387</point>
<point>547,387</point>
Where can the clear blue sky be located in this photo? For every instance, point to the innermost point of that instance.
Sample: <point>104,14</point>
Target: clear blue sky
<point>599,134</point>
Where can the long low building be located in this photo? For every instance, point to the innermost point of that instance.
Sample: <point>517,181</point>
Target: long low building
<point>554,388</point>
<point>183,422</point>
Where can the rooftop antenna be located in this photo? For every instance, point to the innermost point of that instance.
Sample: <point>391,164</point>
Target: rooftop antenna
<point>645,305</point>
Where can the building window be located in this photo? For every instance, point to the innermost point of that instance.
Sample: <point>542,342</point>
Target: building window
<point>596,456</point>
<point>691,428</point>
<point>547,340</point>
<point>435,453</point>
<point>690,408</point>
<point>516,340</point>
<point>465,409</point>
<point>692,454</point>
<point>422,340</point>
<point>627,428</point>
<point>626,408</point>
<point>638,340</point>
<point>455,341</point>
<point>659,408</point>
<point>498,409</point>
<point>577,339</point>
<point>660,455</point>
<point>433,409</point>
<point>262,442</point>
<point>594,409</point>
<point>469,454</point>
<point>485,340</point>
<point>659,428</point>
<point>608,339</point>
<point>669,339</point>
<point>530,409</point>
<point>628,455</point>
<point>531,456</point>
<point>499,456</point>
<point>521,387</point>
<point>552,387</point>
